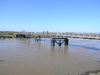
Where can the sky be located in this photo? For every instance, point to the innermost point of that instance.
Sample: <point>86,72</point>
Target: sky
<point>50,15</point>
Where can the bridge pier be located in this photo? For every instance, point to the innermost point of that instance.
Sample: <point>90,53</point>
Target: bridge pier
<point>38,38</point>
<point>53,42</point>
<point>59,41</point>
<point>66,41</point>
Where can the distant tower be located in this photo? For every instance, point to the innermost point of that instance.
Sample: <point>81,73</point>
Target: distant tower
<point>47,32</point>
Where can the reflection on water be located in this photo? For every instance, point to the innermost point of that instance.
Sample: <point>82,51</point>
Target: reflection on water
<point>27,57</point>
<point>38,44</point>
<point>57,51</point>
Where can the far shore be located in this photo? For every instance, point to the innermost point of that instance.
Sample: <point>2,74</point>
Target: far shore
<point>8,34</point>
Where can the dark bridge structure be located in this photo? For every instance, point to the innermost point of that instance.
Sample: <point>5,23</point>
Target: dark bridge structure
<point>38,38</point>
<point>20,36</point>
<point>59,41</point>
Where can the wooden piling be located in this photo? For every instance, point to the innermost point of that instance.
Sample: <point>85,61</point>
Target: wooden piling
<point>53,42</point>
<point>66,41</point>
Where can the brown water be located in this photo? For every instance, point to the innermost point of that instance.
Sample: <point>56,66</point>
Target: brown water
<point>27,57</point>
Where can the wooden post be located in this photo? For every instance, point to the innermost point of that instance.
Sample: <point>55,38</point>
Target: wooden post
<point>66,41</point>
<point>53,42</point>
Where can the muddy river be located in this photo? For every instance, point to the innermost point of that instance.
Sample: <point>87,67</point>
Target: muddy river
<point>27,57</point>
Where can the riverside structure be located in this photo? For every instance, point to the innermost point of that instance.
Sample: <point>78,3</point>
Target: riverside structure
<point>59,41</point>
<point>63,35</point>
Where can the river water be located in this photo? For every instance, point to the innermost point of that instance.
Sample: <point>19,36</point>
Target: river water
<point>27,57</point>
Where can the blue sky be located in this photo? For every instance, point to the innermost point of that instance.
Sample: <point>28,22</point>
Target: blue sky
<point>50,15</point>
